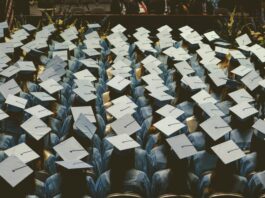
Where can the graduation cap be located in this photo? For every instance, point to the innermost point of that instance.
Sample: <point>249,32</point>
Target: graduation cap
<point>85,75</point>
<point>241,70</point>
<point>118,83</point>
<point>124,100</point>
<point>14,171</point>
<point>36,128</point>
<point>16,101</point>
<point>243,110</point>
<point>243,40</point>
<point>118,28</point>
<point>26,66</point>
<point>228,152</point>
<point>87,111</point>
<point>241,95</point>
<point>123,142</point>
<point>194,82</point>
<point>10,87</point>
<point>70,149</point>
<point>251,80</point>
<point>259,125</point>
<point>120,109</point>
<point>39,111</point>
<point>51,86</point>
<point>218,78</point>
<point>85,126</point>
<point>184,68</point>
<point>126,124</point>
<point>169,110</point>
<point>211,109</point>
<point>10,71</point>
<point>215,127</point>
<point>169,125</point>
<point>74,165</point>
<point>3,115</point>
<point>85,94</point>
<point>211,36</point>
<point>23,152</point>
<point>203,97</point>
<point>43,96</point>
<point>182,146</point>
<point>161,96</point>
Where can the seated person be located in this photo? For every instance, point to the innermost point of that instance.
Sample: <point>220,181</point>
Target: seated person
<point>122,176</point>
<point>223,179</point>
<point>176,179</point>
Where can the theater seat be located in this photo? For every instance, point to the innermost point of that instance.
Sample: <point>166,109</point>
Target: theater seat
<point>175,196</point>
<point>226,195</point>
<point>124,195</point>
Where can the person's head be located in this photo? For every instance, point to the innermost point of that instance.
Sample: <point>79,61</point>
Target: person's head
<point>222,178</point>
<point>120,163</point>
<point>258,145</point>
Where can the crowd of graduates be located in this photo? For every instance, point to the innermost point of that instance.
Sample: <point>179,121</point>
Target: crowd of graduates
<point>90,112</point>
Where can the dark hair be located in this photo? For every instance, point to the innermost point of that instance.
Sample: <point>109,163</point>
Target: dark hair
<point>222,178</point>
<point>178,175</point>
<point>258,145</point>
<point>120,163</point>
<point>73,184</point>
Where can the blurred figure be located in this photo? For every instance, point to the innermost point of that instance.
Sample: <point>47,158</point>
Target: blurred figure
<point>124,7</point>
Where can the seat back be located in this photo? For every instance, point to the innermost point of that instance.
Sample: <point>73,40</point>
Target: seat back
<point>123,195</point>
<point>226,195</point>
<point>175,196</point>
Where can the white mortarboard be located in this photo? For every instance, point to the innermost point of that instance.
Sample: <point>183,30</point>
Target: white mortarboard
<point>62,54</point>
<point>85,94</point>
<point>23,152</point>
<point>91,52</point>
<point>16,101</point>
<point>49,74</point>
<point>51,86</point>
<point>85,126</point>
<point>211,36</point>
<point>251,80</point>
<point>185,28</point>
<point>182,146</point>
<point>123,142</point>
<point>211,109</point>
<point>39,111</point>
<point>236,54</point>
<point>218,78</point>
<point>241,70</point>
<point>212,68</point>
<point>152,78</point>
<point>243,110</point>
<point>85,75</point>
<point>151,60</point>
<point>85,84</point>
<point>169,125</point>
<point>118,83</point>
<point>29,27</point>
<point>90,63</point>
<point>152,69</point>
<point>93,25</point>
<point>259,125</point>
<point>161,96</point>
<point>243,40</point>
<point>262,83</point>
<point>194,82</point>
<point>241,95</point>
<point>121,109</point>
<point>156,87</point>
<point>4,25</point>
<point>36,128</point>
<point>184,68</point>
<point>74,164</point>
<point>14,171</point>
<point>118,28</point>
<point>126,124</point>
<point>203,97</point>
<point>70,149</point>
<point>169,110</point>
<point>221,50</point>
<point>215,127</point>
<point>124,100</point>
<point>4,58</point>
<point>228,152</point>
<point>43,96</point>
<point>3,115</point>
<point>87,111</point>
<point>26,66</point>
<point>10,71</point>
<point>10,87</point>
